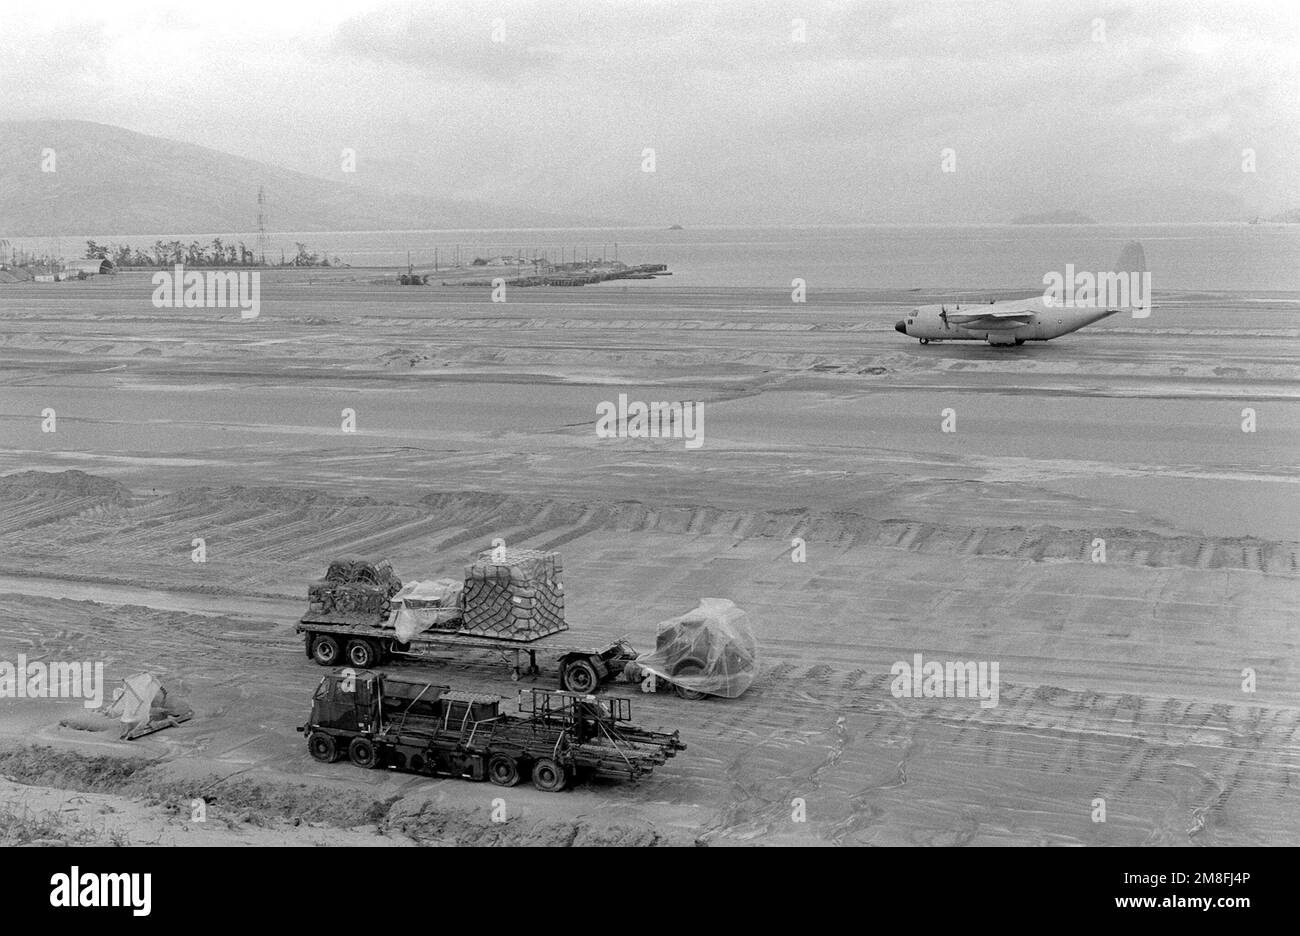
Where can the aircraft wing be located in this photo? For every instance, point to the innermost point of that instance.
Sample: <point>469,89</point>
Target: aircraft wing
<point>997,318</point>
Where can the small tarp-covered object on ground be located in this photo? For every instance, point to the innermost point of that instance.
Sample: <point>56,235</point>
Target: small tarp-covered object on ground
<point>143,706</point>
<point>710,649</point>
<point>423,606</point>
<point>514,594</point>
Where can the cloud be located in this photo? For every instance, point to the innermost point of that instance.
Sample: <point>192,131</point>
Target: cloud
<point>751,113</point>
<point>68,58</point>
<point>445,40</point>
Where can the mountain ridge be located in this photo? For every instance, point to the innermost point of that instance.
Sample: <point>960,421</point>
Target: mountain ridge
<point>72,177</point>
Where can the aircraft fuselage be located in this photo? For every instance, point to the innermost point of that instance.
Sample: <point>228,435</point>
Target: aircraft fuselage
<point>1010,322</point>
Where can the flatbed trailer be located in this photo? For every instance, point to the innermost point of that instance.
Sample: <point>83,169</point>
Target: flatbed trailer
<point>378,720</point>
<point>581,668</point>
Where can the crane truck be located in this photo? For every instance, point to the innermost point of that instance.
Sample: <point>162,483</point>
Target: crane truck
<point>406,724</point>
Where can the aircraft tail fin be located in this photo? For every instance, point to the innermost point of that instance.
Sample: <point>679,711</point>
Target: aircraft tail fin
<point>1133,263</point>
<point>1132,259</point>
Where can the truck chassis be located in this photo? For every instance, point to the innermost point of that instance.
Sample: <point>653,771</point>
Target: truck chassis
<point>581,669</point>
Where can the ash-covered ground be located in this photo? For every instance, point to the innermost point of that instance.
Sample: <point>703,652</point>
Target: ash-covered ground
<point>1119,680</point>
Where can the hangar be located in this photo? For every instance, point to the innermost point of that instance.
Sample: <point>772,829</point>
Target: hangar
<point>90,267</point>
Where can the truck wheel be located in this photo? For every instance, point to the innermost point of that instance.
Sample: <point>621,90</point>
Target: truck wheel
<point>361,654</point>
<point>548,776</point>
<point>325,650</point>
<point>688,668</point>
<point>362,752</point>
<point>503,770</point>
<point>579,676</point>
<point>322,747</point>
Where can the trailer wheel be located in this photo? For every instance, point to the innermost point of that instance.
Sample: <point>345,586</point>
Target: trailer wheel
<point>362,752</point>
<point>325,650</point>
<point>688,668</point>
<point>548,776</point>
<point>503,770</point>
<point>322,747</point>
<point>361,654</point>
<point>579,676</point>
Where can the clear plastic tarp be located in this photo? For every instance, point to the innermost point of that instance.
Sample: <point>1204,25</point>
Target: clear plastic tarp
<point>143,706</point>
<point>132,700</point>
<point>422,606</point>
<point>710,649</point>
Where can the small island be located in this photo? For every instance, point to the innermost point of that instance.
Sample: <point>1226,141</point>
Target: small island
<point>675,227</point>
<point>1059,216</point>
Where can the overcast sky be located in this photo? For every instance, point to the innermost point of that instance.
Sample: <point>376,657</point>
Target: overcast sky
<point>764,112</point>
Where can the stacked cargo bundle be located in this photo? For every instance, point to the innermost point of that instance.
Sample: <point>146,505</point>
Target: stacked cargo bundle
<point>354,589</point>
<point>514,594</point>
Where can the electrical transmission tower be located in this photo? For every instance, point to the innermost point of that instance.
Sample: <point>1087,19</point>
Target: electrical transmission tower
<point>261,226</point>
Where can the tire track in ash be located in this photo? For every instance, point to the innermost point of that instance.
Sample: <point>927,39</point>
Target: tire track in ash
<point>1126,748</point>
<point>258,525</point>
<point>761,801</point>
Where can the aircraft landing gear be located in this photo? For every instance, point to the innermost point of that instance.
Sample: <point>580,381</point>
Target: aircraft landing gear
<point>925,341</point>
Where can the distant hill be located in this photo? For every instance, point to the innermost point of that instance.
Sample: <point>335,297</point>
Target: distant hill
<point>1059,216</point>
<point>114,181</point>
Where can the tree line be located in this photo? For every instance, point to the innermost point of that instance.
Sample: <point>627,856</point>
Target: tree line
<point>217,253</point>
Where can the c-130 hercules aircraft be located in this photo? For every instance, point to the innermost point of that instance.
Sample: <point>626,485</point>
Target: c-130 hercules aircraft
<point>1071,302</point>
